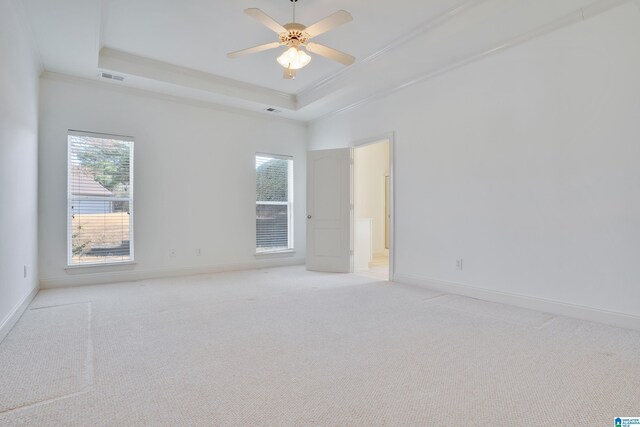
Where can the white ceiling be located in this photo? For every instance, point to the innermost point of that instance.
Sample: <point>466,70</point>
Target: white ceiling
<point>179,47</point>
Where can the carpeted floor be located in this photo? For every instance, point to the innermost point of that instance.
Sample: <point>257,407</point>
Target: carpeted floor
<point>378,269</point>
<point>285,347</point>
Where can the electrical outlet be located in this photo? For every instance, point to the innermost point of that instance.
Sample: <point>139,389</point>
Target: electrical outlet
<point>172,253</point>
<point>459,264</point>
<point>199,252</point>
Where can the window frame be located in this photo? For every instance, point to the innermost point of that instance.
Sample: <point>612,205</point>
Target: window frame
<point>70,200</point>
<point>289,203</point>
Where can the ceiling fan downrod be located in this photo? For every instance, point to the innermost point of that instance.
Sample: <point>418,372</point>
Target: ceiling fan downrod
<point>294,10</point>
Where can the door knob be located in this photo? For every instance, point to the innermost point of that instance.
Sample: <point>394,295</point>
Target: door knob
<point>308,216</point>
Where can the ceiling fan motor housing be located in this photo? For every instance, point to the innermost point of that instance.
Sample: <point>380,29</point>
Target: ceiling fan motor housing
<point>295,35</point>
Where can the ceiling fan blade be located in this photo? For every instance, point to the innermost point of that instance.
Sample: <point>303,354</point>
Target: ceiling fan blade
<point>327,52</point>
<point>329,23</point>
<point>254,49</point>
<point>265,20</point>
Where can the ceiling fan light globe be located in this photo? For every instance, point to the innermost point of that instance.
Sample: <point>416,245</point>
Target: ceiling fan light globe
<point>294,59</point>
<point>303,58</point>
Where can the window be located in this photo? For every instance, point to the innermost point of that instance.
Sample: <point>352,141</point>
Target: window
<point>274,203</point>
<point>99,199</point>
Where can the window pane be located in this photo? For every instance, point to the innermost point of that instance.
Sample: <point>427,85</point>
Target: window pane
<point>100,231</point>
<point>100,200</point>
<point>271,179</point>
<point>273,203</point>
<point>99,167</point>
<point>272,227</point>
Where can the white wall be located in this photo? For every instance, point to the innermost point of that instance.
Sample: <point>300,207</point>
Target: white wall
<point>19,70</point>
<point>525,164</point>
<point>194,179</point>
<point>370,167</point>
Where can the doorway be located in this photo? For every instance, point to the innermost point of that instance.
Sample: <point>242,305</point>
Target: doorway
<point>372,209</point>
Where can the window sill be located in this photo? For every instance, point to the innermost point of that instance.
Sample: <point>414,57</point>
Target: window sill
<point>278,252</point>
<point>99,265</point>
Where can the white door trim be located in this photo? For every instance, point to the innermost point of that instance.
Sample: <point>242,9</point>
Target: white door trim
<point>390,136</point>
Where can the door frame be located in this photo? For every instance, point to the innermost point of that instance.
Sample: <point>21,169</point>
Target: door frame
<point>389,136</point>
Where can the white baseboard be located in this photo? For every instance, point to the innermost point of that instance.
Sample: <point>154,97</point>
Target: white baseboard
<point>79,278</point>
<point>14,315</point>
<point>622,320</point>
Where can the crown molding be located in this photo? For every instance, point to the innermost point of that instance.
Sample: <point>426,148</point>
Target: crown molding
<point>582,14</point>
<point>127,63</point>
<point>128,90</point>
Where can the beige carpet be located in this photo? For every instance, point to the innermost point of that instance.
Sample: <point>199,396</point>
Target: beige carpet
<point>284,347</point>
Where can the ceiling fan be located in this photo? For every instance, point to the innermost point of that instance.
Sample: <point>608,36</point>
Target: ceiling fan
<point>296,36</point>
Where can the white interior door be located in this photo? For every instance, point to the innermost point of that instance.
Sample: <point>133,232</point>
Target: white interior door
<point>329,210</point>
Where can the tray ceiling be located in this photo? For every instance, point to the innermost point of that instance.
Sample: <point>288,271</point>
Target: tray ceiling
<point>179,47</point>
